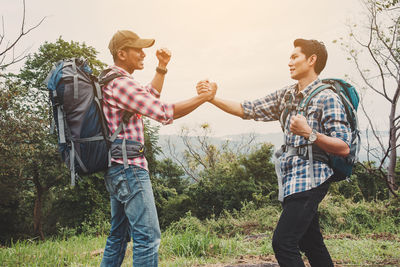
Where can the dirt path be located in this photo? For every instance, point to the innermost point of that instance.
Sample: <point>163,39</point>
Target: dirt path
<point>255,265</point>
<point>248,261</point>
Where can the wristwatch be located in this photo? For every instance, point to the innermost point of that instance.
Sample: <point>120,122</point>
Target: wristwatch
<point>161,70</point>
<point>313,136</point>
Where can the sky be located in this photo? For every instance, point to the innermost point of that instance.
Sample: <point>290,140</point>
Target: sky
<point>244,46</point>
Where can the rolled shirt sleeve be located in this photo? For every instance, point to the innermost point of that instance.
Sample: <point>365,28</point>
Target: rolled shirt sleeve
<point>334,118</point>
<point>152,90</point>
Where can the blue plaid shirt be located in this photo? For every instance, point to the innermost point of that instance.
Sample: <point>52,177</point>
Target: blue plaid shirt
<point>325,113</point>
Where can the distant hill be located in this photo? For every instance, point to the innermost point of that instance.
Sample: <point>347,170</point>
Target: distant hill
<point>240,140</point>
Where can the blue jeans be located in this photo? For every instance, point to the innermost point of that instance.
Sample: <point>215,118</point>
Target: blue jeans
<point>133,214</point>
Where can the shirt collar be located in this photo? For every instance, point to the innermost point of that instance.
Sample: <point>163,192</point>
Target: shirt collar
<point>121,71</point>
<point>306,90</point>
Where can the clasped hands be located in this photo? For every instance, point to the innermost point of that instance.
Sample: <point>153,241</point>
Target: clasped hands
<point>207,89</point>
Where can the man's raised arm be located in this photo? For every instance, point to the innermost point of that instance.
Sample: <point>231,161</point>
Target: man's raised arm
<point>163,55</point>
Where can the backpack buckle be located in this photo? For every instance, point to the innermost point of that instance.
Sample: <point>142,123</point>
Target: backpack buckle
<point>302,151</point>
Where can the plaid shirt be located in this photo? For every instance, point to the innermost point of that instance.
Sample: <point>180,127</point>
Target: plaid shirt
<point>325,113</point>
<point>126,94</point>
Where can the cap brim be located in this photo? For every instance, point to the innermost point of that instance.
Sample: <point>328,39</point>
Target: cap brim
<point>140,43</point>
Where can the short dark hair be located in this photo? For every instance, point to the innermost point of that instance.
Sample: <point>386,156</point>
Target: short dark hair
<point>313,47</point>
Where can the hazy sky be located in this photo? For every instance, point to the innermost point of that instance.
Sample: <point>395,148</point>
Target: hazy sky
<point>242,45</point>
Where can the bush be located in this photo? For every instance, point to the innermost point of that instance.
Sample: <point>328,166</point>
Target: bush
<point>341,215</point>
<point>337,215</point>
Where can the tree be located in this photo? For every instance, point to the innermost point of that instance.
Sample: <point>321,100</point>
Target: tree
<point>380,75</point>
<point>29,153</point>
<point>10,142</point>
<point>201,153</point>
<point>152,150</point>
<point>171,175</point>
<point>224,175</point>
<point>169,186</point>
<point>235,179</point>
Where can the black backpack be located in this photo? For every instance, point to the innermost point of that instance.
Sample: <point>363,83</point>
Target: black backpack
<point>342,166</point>
<point>83,135</point>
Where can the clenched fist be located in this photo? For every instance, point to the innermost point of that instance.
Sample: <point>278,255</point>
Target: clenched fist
<point>299,126</point>
<point>163,56</point>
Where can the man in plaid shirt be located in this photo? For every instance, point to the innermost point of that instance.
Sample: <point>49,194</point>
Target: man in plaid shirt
<point>326,126</point>
<point>133,211</point>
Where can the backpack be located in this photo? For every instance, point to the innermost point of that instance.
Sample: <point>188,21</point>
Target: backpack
<point>83,136</point>
<point>342,166</point>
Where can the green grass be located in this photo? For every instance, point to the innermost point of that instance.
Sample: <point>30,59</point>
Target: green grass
<point>189,249</point>
<point>364,251</point>
<point>360,234</point>
<point>76,251</point>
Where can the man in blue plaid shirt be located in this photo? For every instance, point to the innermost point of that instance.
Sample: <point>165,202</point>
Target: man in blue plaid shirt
<point>303,185</point>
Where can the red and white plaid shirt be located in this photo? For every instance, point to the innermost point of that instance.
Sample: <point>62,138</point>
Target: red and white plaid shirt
<point>126,94</point>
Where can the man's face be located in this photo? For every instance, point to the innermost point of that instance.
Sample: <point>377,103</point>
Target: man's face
<point>132,58</point>
<point>299,65</point>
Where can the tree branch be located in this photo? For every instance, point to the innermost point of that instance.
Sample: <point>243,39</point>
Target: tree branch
<point>173,154</point>
<point>365,79</point>
<point>12,45</point>
<point>389,48</point>
<point>374,132</point>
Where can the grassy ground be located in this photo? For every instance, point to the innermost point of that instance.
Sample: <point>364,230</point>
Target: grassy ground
<point>356,234</point>
<point>191,249</point>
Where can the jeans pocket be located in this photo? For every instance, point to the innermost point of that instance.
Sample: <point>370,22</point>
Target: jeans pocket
<point>117,185</point>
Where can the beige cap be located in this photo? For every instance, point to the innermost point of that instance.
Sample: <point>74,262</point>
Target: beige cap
<point>125,38</point>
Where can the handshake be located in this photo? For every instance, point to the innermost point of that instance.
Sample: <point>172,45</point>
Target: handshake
<point>206,89</point>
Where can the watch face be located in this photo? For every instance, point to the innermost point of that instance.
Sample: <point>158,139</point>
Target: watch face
<point>313,136</point>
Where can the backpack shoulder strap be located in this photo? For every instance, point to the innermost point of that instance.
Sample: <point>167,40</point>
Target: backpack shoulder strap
<point>102,81</point>
<point>304,103</point>
<point>288,99</point>
<point>99,97</point>
<point>105,80</point>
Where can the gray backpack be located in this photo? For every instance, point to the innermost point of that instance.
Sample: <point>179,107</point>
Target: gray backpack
<point>83,136</point>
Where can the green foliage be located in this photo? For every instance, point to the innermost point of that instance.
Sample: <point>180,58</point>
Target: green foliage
<point>364,184</point>
<point>386,4</point>
<point>193,245</point>
<point>30,163</point>
<point>338,215</point>
<point>151,144</point>
<point>39,64</point>
<point>87,203</point>
<point>27,156</point>
<point>171,175</point>
<point>232,180</point>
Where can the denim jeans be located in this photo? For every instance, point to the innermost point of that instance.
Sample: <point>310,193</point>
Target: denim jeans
<point>133,214</point>
<point>298,229</point>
